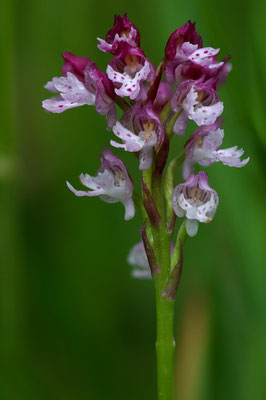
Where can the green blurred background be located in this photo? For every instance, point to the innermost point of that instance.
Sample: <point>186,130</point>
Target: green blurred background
<point>74,324</point>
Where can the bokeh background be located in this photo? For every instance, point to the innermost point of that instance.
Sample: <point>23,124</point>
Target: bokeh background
<point>74,324</point>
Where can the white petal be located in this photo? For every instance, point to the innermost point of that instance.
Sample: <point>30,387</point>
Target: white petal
<point>192,226</point>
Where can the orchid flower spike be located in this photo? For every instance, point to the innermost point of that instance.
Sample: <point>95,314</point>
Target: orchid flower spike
<point>112,183</point>
<point>196,200</point>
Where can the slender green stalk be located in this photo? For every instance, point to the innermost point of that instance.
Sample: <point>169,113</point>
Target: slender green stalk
<point>165,347</point>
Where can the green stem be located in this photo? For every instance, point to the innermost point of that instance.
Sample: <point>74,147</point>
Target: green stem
<point>165,347</point>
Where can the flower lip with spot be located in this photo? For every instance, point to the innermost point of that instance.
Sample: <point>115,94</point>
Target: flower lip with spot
<point>112,183</point>
<point>141,131</point>
<point>73,93</point>
<point>203,147</point>
<point>128,70</point>
<point>186,33</point>
<point>196,200</point>
<point>193,62</point>
<point>199,102</point>
<point>122,31</point>
<point>93,89</point>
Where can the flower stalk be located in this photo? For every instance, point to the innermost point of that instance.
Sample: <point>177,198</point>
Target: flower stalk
<point>157,105</point>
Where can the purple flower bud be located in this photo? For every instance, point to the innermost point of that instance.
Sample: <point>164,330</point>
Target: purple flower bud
<point>112,183</point>
<point>128,70</point>
<point>122,31</point>
<point>186,33</point>
<point>196,200</point>
<point>203,148</point>
<point>199,101</point>
<point>140,131</point>
<point>97,83</point>
<point>74,64</point>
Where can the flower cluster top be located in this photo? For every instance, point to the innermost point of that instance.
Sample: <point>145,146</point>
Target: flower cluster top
<point>157,103</point>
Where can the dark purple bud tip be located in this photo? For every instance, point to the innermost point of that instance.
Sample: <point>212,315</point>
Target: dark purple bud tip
<point>186,33</point>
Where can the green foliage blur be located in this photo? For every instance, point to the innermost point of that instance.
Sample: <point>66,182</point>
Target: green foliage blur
<point>74,324</point>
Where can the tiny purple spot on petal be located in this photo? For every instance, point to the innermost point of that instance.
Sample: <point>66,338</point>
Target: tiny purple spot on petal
<point>206,51</point>
<point>98,187</point>
<point>204,111</point>
<point>61,105</point>
<point>197,54</point>
<point>129,90</point>
<point>128,135</point>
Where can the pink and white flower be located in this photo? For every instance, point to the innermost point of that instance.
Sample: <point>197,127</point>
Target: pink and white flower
<point>72,93</point>
<point>198,101</point>
<point>85,85</point>
<point>196,200</point>
<point>128,70</point>
<point>122,31</point>
<point>141,131</point>
<point>187,59</point>
<point>112,183</point>
<point>203,148</point>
